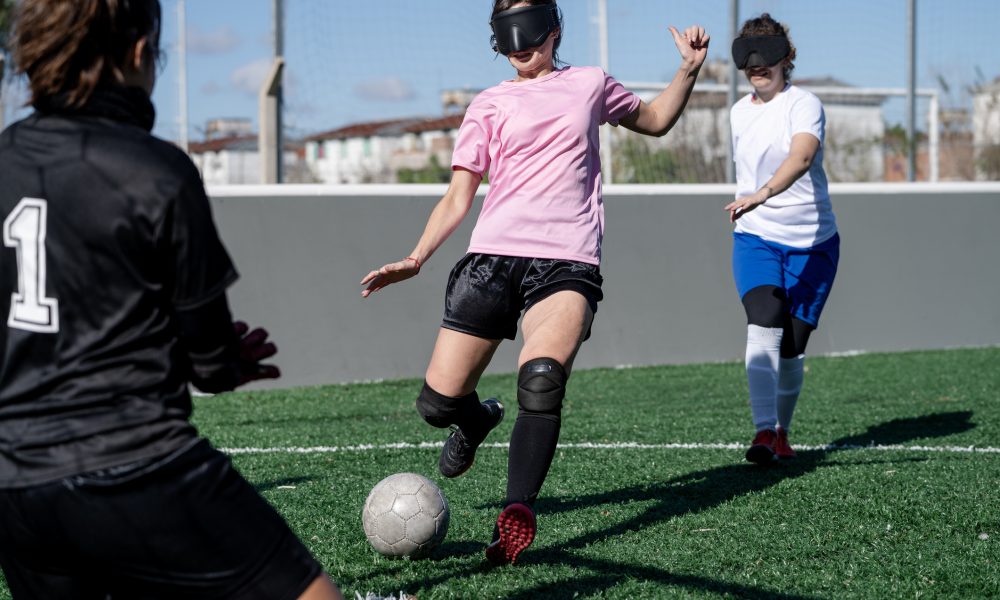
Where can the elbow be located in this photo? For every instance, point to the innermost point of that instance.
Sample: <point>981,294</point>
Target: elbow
<point>805,165</point>
<point>804,160</point>
<point>665,126</point>
<point>653,130</point>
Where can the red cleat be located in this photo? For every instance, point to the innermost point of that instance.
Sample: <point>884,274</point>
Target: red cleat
<point>781,447</point>
<point>516,525</point>
<point>761,449</point>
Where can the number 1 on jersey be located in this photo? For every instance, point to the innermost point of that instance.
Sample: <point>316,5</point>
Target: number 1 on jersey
<point>24,230</point>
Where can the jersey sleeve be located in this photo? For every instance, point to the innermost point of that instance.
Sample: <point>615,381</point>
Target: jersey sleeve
<point>472,145</point>
<point>200,265</point>
<point>618,102</point>
<point>806,115</point>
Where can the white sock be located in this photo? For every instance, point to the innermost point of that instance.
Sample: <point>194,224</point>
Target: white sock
<point>763,352</point>
<point>790,376</point>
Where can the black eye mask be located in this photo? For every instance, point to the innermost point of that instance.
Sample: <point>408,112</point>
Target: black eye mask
<point>760,50</point>
<point>521,28</point>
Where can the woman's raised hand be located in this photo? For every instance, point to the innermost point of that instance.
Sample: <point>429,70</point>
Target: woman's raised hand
<point>692,44</point>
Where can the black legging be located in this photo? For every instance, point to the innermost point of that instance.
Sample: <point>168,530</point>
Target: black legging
<point>767,306</point>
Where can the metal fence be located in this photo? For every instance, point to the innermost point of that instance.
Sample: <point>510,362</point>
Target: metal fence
<point>359,64</point>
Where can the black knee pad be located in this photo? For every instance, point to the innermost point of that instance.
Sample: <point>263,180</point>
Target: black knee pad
<point>440,410</point>
<point>541,386</point>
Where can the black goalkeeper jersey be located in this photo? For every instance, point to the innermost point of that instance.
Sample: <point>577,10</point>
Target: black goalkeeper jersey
<point>107,234</point>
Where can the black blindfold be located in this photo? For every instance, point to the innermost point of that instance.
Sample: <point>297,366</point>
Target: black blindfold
<point>760,50</point>
<point>518,29</point>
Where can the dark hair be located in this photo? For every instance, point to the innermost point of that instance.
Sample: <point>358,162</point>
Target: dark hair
<point>766,25</point>
<point>501,5</point>
<point>70,47</point>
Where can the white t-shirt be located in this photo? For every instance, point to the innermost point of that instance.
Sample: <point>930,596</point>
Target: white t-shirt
<point>801,216</point>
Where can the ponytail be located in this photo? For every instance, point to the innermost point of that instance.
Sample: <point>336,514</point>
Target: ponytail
<point>70,47</point>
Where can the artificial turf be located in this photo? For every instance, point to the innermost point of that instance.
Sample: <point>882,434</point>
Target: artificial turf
<point>677,514</point>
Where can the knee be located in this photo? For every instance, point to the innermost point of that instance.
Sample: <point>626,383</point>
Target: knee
<point>440,410</point>
<point>541,386</point>
<point>795,339</point>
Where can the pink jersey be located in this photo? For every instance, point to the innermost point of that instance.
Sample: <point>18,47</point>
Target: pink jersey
<point>538,140</point>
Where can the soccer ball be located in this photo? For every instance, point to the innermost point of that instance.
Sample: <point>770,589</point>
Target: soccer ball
<point>405,515</point>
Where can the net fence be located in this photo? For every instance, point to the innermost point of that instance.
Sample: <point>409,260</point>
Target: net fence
<point>374,91</point>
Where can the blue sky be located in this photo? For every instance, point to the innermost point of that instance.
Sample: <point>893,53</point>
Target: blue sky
<point>351,61</point>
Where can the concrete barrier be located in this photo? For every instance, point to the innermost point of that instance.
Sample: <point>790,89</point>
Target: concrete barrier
<point>920,269</point>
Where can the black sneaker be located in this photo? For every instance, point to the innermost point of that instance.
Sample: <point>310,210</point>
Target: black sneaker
<point>761,449</point>
<point>459,451</point>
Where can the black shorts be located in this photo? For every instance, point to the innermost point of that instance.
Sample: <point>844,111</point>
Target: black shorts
<point>185,526</point>
<point>486,293</point>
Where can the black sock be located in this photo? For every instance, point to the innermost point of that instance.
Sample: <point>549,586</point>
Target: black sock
<point>532,447</point>
<point>470,417</point>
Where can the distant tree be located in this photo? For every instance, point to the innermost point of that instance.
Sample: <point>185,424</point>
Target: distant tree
<point>988,153</point>
<point>6,10</point>
<point>895,139</point>
<point>989,162</point>
<point>857,158</point>
<point>434,172</point>
<point>637,161</point>
<point>6,16</point>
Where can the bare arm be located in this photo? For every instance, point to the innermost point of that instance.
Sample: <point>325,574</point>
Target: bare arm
<point>444,219</point>
<point>800,157</point>
<point>660,115</point>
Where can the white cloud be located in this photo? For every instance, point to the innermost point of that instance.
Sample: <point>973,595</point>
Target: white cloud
<point>390,89</point>
<point>212,42</point>
<point>250,77</point>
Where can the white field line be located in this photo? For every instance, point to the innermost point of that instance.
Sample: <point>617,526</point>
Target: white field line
<point>616,446</point>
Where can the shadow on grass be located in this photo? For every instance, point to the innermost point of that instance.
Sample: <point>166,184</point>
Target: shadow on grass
<point>691,493</point>
<point>899,431</point>
<point>701,490</point>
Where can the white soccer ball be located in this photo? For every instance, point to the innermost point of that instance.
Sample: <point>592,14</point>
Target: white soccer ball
<point>405,515</point>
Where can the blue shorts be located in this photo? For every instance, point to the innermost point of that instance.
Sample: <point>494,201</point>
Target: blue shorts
<point>805,274</point>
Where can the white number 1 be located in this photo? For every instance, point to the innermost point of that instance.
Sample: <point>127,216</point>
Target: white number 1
<point>24,230</point>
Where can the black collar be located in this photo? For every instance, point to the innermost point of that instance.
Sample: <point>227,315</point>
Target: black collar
<point>126,104</point>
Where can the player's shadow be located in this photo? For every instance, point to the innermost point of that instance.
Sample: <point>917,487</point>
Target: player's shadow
<point>701,490</point>
<point>900,431</point>
<point>688,494</point>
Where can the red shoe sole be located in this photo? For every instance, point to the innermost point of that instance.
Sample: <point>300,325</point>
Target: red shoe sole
<point>517,530</point>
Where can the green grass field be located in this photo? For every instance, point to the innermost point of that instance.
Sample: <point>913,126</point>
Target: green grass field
<point>849,518</point>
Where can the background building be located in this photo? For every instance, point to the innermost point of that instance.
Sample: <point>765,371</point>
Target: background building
<point>229,155</point>
<point>415,150</point>
<point>418,149</point>
<point>986,130</point>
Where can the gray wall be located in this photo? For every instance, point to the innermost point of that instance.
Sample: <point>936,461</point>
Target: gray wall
<point>920,268</point>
